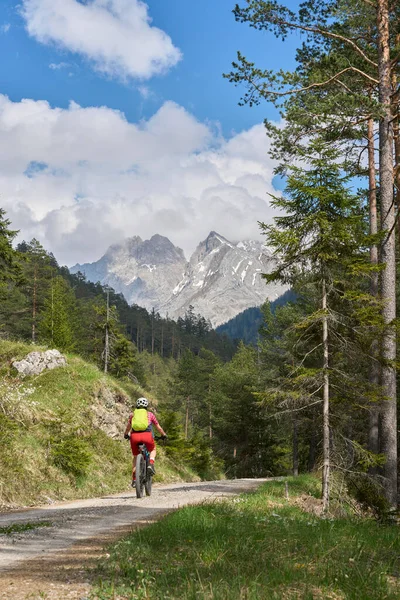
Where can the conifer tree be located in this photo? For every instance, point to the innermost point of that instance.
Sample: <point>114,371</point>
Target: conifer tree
<point>38,272</point>
<point>320,234</point>
<point>10,269</point>
<point>57,321</point>
<point>11,299</point>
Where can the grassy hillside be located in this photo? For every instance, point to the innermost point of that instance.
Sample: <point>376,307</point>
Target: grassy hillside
<point>61,432</point>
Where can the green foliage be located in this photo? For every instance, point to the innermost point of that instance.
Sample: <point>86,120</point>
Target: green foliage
<point>245,326</point>
<point>124,361</point>
<point>58,316</point>
<point>72,455</point>
<point>196,451</point>
<point>203,460</point>
<point>369,493</point>
<point>10,269</point>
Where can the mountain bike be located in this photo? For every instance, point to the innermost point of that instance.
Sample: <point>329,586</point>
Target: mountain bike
<point>144,477</point>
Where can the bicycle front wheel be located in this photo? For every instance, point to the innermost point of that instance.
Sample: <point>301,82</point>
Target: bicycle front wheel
<point>140,475</point>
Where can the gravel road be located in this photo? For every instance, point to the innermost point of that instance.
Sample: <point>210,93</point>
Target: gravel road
<point>50,561</point>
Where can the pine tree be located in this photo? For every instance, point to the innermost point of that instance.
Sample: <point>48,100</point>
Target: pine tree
<point>320,234</point>
<point>38,273</point>
<point>11,298</point>
<point>10,269</point>
<point>57,320</point>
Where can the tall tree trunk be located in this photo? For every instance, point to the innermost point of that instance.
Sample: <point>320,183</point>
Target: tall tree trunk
<point>326,439</point>
<point>396,134</point>
<point>388,279</point>
<point>375,370</point>
<point>295,447</point>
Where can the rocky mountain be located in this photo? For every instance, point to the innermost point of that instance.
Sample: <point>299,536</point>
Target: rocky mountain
<point>221,279</point>
<point>145,272</point>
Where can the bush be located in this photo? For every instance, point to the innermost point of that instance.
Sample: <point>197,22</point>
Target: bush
<point>72,455</point>
<point>369,493</point>
<point>203,461</point>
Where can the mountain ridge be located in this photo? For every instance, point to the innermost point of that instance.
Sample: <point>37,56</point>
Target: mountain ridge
<point>220,280</point>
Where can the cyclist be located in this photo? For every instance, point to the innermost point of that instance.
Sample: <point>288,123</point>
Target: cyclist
<point>144,436</point>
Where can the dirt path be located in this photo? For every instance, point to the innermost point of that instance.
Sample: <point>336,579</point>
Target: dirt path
<point>50,563</point>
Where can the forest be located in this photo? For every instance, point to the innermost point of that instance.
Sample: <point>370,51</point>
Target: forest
<point>317,391</point>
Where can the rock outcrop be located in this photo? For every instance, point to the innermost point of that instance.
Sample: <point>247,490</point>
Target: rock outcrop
<point>110,411</point>
<point>37,362</point>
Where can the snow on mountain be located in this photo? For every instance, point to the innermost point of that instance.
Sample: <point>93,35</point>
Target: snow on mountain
<point>221,279</point>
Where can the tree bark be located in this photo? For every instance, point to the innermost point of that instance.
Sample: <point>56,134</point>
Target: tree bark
<point>374,373</point>
<point>326,439</point>
<point>396,133</point>
<point>388,279</point>
<point>295,447</point>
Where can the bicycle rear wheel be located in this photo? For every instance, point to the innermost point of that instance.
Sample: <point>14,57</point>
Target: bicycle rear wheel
<point>140,475</point>
<point>148,483</point>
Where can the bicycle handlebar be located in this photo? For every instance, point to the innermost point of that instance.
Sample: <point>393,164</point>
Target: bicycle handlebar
<point>156,437</point>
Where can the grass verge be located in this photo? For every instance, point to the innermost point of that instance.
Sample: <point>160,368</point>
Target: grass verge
<point>253,547</point>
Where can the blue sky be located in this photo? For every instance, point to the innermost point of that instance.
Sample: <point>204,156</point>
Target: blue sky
<point>200,41</point>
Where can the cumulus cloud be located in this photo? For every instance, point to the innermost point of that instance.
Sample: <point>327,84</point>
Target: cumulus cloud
<point>80,179</point>
<point>116,36</point>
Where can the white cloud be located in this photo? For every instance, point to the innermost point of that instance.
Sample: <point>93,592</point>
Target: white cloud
<point>58,66</point>
<point>5,28</point>
<point>115,35</point>
<point>80,179</point>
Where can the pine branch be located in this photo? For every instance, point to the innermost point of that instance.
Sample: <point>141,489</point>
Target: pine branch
<point>264,92</point>
<point>292,410</point>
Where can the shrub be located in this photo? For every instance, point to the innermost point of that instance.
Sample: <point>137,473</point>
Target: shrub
<point>72,455</point>
<point>369,493</point>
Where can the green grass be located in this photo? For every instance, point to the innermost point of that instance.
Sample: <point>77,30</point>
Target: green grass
<point>254,547</point>
<point>22,527</point>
